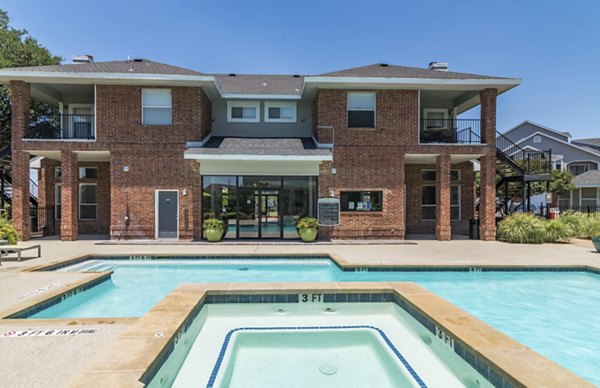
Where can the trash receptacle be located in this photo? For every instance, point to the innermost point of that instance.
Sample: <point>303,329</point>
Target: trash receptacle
<point>474,229</point>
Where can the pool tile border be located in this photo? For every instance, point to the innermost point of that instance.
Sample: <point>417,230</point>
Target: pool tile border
<point>227,341</point>
<point>500,359</point>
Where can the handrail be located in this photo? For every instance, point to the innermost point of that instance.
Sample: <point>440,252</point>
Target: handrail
<point>61,126</point>
<point>450,131</point>
<point>532,162</point>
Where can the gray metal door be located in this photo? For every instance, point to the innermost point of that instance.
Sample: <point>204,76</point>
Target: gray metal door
<point>167,214</point>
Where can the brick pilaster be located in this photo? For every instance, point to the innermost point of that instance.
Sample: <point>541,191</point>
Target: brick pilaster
<point>487,204</point>
<point>488,116</point>
<point>20,194</point>
<point>69,197</point>
<point>20,94</point>
<point>400,159</point>
<point>442,227</point>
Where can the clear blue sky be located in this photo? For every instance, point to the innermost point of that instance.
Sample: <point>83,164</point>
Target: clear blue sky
<point>554,46</point>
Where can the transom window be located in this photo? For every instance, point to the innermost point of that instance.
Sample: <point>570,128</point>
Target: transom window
<point>243,111</point>
<point>88,173</point>
<point>361,201</point>
<point>282,112</point>
<point>157,107</point>
<point>88,201</point>
<point>361,110</point>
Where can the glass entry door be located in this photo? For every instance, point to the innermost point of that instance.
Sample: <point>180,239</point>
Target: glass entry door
<point>259,213</point>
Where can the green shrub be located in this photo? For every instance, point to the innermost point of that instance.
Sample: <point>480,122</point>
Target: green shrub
<point>557,232</point>
<point>307,222</point>
<point>7,231</point>
<point>583,225</point>
<point>212,223</point>
<point>522,228</point>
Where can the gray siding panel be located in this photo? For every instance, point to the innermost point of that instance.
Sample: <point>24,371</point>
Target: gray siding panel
<point>527,129</point>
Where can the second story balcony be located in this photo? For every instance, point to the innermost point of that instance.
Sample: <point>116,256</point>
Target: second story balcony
<point>450,131</point>
<point>58,126</point>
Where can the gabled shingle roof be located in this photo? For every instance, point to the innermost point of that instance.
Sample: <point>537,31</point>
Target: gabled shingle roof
<point>590,178</point>
<point>593,142</point>
<point>260,84</point>
<point>393,71</point>
<point>143,66</point>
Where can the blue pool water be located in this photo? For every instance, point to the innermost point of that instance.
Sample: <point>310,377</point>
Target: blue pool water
<point>554,313</point>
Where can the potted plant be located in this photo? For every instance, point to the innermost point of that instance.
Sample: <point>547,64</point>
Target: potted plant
<point>307,228</point>
<point>596,242</point>
<point>213,229</point>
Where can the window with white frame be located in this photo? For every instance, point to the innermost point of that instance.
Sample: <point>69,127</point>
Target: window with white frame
<point>57,201</point>
<point>157,107</point>
<point>88,201</point>
<point>88,173</point>
<point>243,111</point>
<point>577,169</point>
<point>280,112</point>
<point>361,110</point>
<point>537,139</point>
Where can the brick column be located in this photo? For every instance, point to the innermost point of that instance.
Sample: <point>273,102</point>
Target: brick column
<point>20,94</point>
<point>69,197</point>
<point>488,116</point>
<point>20,194</point>
<point>442,227</point>
<point>487,204</point>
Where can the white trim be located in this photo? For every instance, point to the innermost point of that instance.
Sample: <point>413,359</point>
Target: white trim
<point>258,157</point>
<point>261,96</point>
<point>157,106</point>
<point>87,204</point>
<point>413,81</point>
<point>198,144</point>
<point>276,104</point>
<point>156,215</point>
<point>243,104</point>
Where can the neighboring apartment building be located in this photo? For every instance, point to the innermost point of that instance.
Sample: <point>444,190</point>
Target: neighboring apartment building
<point>140,149</point>
<point>580,157</point>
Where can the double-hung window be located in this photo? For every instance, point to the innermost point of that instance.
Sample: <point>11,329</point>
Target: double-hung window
<point>280,112</point>
<point>157,107</point>
<point>361,110</point>
<point>88,201</point>
<point>243,111</point>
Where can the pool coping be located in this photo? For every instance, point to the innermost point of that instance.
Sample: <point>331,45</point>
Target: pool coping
<point>135,357</point>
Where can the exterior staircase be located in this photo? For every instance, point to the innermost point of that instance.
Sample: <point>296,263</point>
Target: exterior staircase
<point>516,169</point>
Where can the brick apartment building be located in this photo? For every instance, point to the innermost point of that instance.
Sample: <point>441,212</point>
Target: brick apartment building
<point>143,150</point>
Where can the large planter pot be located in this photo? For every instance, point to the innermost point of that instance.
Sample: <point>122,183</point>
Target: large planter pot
<point>213,235</point>
<point>308,234</point>
<point>596,242</point>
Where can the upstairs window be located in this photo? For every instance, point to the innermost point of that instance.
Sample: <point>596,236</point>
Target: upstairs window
<point>157,107</point>
<point>361,110</point>
<point>280,112</point>
<point>537,139</point>
<point>243,112</point>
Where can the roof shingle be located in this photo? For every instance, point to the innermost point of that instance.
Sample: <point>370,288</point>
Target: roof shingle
<point>590,178</point>
<point>393,71</point>
<point>218,145</point>
<point>260,84</point>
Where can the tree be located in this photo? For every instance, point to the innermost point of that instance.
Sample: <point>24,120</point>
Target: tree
<point>560,183</point>
<point>18,49</point>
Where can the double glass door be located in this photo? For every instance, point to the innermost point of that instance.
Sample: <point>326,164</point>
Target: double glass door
<point>259,214</point>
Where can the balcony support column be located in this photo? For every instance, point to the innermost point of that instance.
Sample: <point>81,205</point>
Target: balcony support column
<point>487,204</point>
<point>20,194</point>
<point>488,116</point>
<point>69,229</point>
<point>443,229</point>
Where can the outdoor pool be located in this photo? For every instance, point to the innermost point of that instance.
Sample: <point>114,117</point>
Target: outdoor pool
<point>554,312</point>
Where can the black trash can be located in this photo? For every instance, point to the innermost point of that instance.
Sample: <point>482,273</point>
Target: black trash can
<point>474,229</point>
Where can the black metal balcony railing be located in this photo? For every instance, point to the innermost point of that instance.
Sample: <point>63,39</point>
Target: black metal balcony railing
<point>62,126</point>
<point>532,162</point>
<point>450,131</point>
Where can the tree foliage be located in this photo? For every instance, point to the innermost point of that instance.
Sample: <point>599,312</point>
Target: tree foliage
<point>560,183</point>
<point>18,49</point>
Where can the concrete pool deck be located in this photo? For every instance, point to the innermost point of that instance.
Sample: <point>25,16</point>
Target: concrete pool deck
<point>20,286</point>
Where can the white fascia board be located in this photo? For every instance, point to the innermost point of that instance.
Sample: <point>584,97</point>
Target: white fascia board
<point>259,157</point>
<point>416,82</point>
<point>41,76</point>
<point>262,96</point>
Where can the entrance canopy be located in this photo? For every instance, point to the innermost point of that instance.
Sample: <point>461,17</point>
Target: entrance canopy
<point>259,156</point>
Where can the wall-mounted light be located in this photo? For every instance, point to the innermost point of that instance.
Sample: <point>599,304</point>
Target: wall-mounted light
<point>125,168</point>
<point>334,170</point>
<point>184,192</point>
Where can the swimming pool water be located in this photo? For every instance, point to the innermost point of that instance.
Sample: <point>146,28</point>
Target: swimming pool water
<point>554,313</point>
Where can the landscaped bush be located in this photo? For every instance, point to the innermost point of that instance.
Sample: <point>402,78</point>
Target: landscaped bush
<point>7,231</point>
<point>522,228</point>
<point>557,232</point>
<point>583,225</point>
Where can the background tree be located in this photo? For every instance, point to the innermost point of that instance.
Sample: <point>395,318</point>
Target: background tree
<point>560,183</point>
<point>18,49</point>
